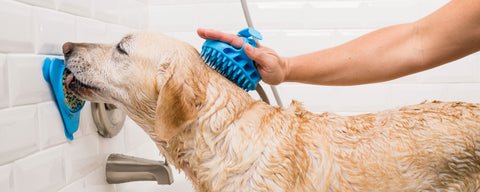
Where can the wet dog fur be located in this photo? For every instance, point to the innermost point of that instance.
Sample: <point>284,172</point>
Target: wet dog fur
<point>226,141</point>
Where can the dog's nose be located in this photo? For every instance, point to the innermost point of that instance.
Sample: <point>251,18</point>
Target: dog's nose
<point>67,47</point>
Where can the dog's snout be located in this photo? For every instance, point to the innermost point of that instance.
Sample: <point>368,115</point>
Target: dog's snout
<point>67,49</point>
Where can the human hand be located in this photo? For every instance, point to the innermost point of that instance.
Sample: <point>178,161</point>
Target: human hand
<point>272,68</point>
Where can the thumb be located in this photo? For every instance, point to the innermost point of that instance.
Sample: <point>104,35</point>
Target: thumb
<point>254,53</point>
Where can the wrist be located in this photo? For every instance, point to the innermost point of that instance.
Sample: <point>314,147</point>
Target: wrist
<point>286,69</point>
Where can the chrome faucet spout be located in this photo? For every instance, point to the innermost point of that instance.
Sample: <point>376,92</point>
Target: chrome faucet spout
<point>123,168</point>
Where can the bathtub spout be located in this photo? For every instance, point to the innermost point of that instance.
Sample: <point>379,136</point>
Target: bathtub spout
<point>123,168</point>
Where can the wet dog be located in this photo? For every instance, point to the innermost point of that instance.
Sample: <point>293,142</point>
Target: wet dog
<point>226,141</point>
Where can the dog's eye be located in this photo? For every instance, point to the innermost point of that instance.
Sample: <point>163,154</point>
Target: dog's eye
<point>121,50</point>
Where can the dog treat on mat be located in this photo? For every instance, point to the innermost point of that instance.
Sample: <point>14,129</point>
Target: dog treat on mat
<point>69,105</point>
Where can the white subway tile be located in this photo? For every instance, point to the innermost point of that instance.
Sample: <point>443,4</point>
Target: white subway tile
<point>77,186</point>
<point>17,28</point>
<point>115,144</point>
<point>43,171</point>
<point>82,157</point>
<point>146,2</point>
<point>134,135</point>
<point>27,85</point>
<point>426,7</point>
<point>216,19</point>
<point>81,8</point>
<point>361,98</point>
<point>87,126</point>
<point>95,181</point>
<point>465,70</point>
<point>53,29</point>
<point>91,31</point>
<point>116,32</point>
<point>477,59</point>
<point>296,42</point>
<point>268,91</point>
<point>320,99</point>
<point>346,35</point>
<point>179,2</point>
<point>467,92</point>
<point>359,14</point>
<point>50,124</point>
<point>106,10</point>
<point>186,18</point>
<point>51,4</point>
<point>413,78</point>
<point>278,15</point>
<point>147,150</point>
<point>4,91</point>
<point>410,94</point>
<point>143,16</point>
<point>6,181</point>
<point>181,184</point>
<point>131,13</point>
<point>18,132</point>
<point>191,38</point>
<point>314,98</point>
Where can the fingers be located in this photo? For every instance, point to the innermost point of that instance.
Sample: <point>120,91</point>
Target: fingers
<point>255,54</point>
<point>220,36</point>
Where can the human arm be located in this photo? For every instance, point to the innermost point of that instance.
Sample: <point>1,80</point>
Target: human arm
<point>448,34</point>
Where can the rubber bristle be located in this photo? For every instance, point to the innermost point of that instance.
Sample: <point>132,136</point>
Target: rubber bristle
<point>227,66</point>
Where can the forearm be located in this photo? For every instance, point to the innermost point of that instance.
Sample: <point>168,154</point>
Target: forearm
<point>448,34</point>
<point>381,55</point>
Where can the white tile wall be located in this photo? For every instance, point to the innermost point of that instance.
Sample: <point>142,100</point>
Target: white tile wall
<point>77,186</point>
<point>17,27</point>
<point>4,98</point>
<point>106,10</point>
<point>87,126</point>
<point>53,28</point>
<point>50,125</point>
<point>27,85</point>
<point>34,152</point>
<point>43,171</point>
<point>134,13</point>
<point>116,32</point>
<point>82,157</point>
<point>188,17</point>
<point>81,8</point>
<point>32,143</point>
<point>91,31</point>
<point>51,4</point>
<point>95,181</point>
<point>6,178</point>
<point>18,133</point>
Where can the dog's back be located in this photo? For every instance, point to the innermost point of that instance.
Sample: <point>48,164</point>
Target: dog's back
<point>238,144</point>
<point>431,146</point>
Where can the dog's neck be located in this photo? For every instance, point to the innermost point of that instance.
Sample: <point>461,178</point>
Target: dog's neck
<point>217,100</point>
<point>219,103</point>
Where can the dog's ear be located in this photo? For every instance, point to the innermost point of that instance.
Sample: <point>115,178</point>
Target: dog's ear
<point>175,107</point>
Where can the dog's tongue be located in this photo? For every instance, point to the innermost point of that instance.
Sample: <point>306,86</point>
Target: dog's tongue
<point>68,80</point>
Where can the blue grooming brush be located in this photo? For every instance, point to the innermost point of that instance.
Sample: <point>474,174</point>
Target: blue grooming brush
<point>231,62</point>
<point>55,73</point>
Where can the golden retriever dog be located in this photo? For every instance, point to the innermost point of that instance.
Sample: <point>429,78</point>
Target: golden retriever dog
<point>224,140</point>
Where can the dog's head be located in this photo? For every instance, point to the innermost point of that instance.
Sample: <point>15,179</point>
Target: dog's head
<point>143,74</point>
